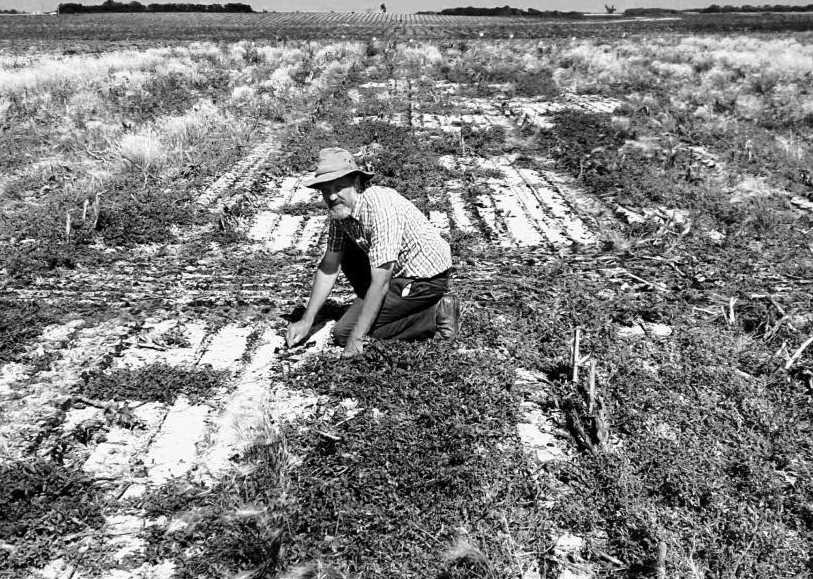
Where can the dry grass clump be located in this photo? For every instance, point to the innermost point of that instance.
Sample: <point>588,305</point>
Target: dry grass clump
<point>419,56</point>
<point>142,151</point>
<point>331,76</point>
<point>464,560</point>
<point>756,79</point>
<point>277,56</point>
<point>182,131</point>
<point>48,74</point>
<point>336,52</point>
<point>281,80</point>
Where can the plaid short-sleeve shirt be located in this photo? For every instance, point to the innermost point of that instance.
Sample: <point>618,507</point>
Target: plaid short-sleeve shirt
<point>388,227</point>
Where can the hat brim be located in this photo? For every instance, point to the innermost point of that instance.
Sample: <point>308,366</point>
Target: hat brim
<point>328,177</point>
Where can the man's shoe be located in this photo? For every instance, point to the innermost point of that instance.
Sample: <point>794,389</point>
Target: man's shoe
<point>447,317</point>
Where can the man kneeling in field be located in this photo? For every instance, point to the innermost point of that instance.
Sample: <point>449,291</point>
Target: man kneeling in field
<point>396,261</point>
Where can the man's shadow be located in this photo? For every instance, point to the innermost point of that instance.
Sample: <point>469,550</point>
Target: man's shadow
<point>331,311</point>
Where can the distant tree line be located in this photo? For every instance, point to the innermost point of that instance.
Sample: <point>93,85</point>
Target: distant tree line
<point>113,6</point>
<point>506,11</point>
<point>651,11</point>
<point>714,8</point>
<point>10,12</point>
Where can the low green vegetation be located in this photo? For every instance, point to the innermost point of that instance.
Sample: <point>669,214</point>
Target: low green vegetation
<point>153,383</point>
<point>45,506</point>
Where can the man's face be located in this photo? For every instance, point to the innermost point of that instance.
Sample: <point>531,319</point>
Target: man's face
<point>340,196</point>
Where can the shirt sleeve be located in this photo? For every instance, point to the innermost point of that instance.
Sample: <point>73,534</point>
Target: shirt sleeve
<point>335,237</point>
<point>386,234</point>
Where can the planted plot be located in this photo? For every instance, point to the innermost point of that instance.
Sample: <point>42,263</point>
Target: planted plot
<point>630,229</point>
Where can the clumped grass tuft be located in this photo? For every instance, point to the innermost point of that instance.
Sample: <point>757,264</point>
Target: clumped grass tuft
<point>143,151</point>
<point>464,560</point>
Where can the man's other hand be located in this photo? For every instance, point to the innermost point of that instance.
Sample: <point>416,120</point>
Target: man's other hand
<point>354,347</point>
<point>297,331</point>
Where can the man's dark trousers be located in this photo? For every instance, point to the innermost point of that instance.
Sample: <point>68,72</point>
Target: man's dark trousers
<point>401,317</point>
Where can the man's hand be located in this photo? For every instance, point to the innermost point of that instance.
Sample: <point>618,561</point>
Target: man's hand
<point>354,347</point>
<point>297,331</point>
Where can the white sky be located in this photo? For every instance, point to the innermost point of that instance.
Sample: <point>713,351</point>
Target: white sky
<point>416,5</point>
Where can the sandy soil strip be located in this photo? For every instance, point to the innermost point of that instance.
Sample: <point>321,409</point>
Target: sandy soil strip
<point>259,404</point>
<point>593,103</point>
<point>454,189</point>
<point>173,451</point>
<point>545,442</point>
<point>113,458</point>
<point>239,179</point>
<point>802,202</point>
<point>440,220</point>
<point>302,194</point>
<point>311,233</point>
<point>263,227</point>
<point>235,425</point>
<point>226,348</point>
<point>148,347</point>
<point>488,213</point>
<point>279,195</point>
<point>459,213</point>
<point>538,113</point>
<point>60,569</point>
<point>568,190</point>
<point>516,222</point>
<point>286,232</point>
<point>550,228</point>
<point>520,206</point>
<point>30,398</point>
<point>546,194</point>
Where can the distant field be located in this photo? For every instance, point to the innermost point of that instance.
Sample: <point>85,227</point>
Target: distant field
<point>178,27</point>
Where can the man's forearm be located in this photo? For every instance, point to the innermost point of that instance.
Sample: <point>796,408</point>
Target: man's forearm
<point>322,285</point>
<point>370,308</point>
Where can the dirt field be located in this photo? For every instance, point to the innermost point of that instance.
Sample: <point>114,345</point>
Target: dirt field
<point>630,395</point>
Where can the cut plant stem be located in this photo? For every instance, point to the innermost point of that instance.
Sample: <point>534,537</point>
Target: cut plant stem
<point>661,560</point>
<point>574,355</point>
<point>591,388</point>
<point>798,353</point>
<point>653,285</point>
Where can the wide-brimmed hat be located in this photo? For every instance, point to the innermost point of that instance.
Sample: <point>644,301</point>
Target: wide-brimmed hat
<point>334,163</point>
